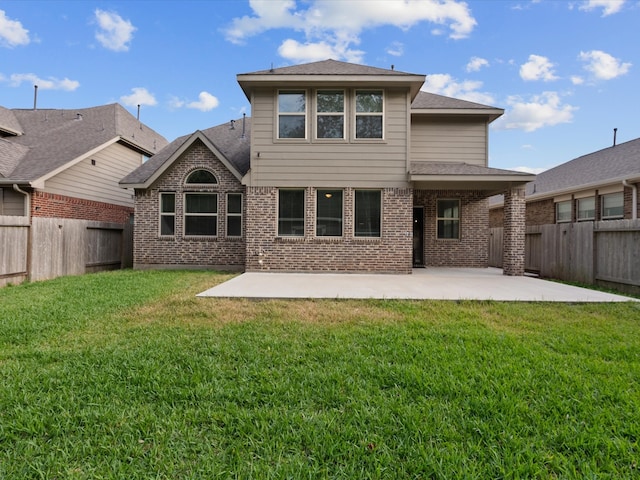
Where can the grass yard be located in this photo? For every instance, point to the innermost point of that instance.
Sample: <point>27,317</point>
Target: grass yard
<point>126,375</point>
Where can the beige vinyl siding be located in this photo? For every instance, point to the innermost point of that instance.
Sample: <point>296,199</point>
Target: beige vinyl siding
<point>449,139</point>
<point>322,163</point>
<point>11,202</point>
<point>98,182</point>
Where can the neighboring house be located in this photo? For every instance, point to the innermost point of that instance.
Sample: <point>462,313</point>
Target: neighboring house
<point>341,167</point>
<point>602,185</point>
<point>67,163</point>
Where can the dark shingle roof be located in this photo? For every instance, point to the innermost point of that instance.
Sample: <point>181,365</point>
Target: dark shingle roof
<point>609,164</point>
<point>8,122</point>
<point>329,67</point>
<point>231,143</point>
<point>425,100</point>
<point>53,138</point>
<point>451,168</point>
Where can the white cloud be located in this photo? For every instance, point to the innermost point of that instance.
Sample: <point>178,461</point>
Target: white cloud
<point>51,83</point>
<point>311,52</point>
<point>609,7</point>
<point>335,26</point>
<point>537,68</point>
<point>206,102</point>
<point>12,33</point>
<point>577,80</point>
<point>444,84</point>
<point>396,49</point>
<point>476,63</point>
<point>533,170</point>
<point>140,96</point>
<point>115,33</point>
<point>602,65</point>
<point>540,111</point>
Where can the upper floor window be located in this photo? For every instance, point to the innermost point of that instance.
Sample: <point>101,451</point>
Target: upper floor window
<point>201,177</point>
<point>292,114</point>
<point>563,211</point>
<point>586,209</point>
<point>613,206</point>
<point>330,114</point>
<point>369,107</point>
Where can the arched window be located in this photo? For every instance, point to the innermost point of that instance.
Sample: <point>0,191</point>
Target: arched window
<point>201,177</point>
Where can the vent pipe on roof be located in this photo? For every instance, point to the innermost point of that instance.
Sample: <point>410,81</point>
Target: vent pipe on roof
<point>244,117</point>
<point>138,118</point>
<point>615,134</point>
<point>35,97</point>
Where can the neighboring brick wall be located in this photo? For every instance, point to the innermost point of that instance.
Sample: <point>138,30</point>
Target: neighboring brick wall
<point>151,250</point>
<point>472,248</point>
<point>513,254</point>
<point>542,212</point>
<point>60,206</point>
<point>267,252</point>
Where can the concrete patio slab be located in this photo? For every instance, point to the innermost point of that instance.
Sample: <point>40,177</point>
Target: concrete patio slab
<point>428,283</point>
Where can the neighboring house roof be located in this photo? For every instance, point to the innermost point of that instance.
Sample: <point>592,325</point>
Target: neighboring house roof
<point>328,71</point>
<point>605,167</point>
<point>430,103</point>
<point>229,141</point>
<point>50,141</point>
<point>448,175</point>
<point>9,124</point>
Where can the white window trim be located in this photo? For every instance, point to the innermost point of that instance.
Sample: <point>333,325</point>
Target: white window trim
<point>162,214</point>
<point>229,214</point>
<point>570,211</point>
<point>317,114</point>
<point>356,114</point>
<point>186,214</point>
<point>585,219</point>
<point>611,217</point>
<point>296,114</point>
<point>201,185</point>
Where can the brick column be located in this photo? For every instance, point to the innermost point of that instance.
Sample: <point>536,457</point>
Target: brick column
<point>514,231</point>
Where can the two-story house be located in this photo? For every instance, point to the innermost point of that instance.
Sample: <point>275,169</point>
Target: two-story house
<point>341,167</point>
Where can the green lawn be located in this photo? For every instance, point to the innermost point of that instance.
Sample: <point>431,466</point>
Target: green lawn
<point>127,375</point>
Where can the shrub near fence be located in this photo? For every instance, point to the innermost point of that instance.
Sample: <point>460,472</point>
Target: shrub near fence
<point>52,247</point>
<point>605,253</point>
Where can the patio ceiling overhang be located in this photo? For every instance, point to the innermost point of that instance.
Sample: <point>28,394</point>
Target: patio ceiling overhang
<point>463,176</point>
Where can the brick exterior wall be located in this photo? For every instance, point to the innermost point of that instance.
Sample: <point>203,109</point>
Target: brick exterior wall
<point>392,253</point>
<point>60,206</point>
<point>513,255</point>
<point>472,248</point>
<point>153,251</point>
<point>542,212</point>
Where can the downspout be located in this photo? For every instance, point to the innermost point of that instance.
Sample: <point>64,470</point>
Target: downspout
<point>634,198</point>
<point>27,208</point>
<point>27,203</point>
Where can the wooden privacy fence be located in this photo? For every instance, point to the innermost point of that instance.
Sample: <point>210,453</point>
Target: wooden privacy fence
<point>605,253</point>
<point>52,247</point>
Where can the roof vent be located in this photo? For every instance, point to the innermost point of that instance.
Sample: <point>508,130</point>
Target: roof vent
<point>232,125</point>
<point>78,116</point>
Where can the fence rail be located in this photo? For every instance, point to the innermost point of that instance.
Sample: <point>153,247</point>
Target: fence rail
<point>52,247</point>
<point>600,253</point>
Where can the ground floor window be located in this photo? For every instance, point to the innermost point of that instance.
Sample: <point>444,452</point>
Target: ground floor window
<point>563,211</point>
<point>368,212</point>
<point>586,209</point>
<point>234,215</point>
<point>291,212</point>
<point>167,214</point>
<point>613,206</point>
<point>329,213</point>
<point>201,214</point>
<point>448,219</point>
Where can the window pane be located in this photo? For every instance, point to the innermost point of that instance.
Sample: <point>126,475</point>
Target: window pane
<point>563,211</point>
<point>329,213</point>
<point>330,101</point>
<point>201,203</point>
<point>368,127</point>
<point>367,213</point>
<point>586,208</point>
<point>613,205</point>
<point>234,203</point>
<point>168,202</point>
<point>331,126</point>
<point>448,228</point>
<point>448,209</point>
<point>369,102</point>
<point>234,226</point>
<point>448,223</point>
<point>291,102</point>
<point>291,126</point>
<point>167,225</point>
<point>291,212</point>
<point>200,225</point>
<point>201,176</point>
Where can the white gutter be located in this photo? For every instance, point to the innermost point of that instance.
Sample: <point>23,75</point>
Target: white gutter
<point>634,198</point>
<point>27,205</point>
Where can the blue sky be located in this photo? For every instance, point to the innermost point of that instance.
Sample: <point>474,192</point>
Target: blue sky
<point>566,72</point>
